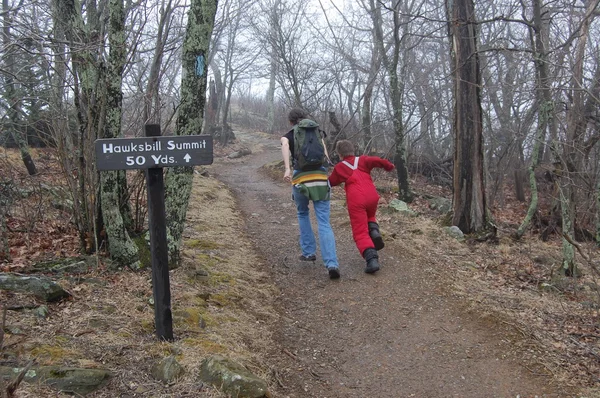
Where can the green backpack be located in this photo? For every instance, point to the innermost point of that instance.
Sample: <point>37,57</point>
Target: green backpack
<point>308,146</point>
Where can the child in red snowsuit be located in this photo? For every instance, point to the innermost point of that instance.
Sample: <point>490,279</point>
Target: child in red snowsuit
<point>362,199</point>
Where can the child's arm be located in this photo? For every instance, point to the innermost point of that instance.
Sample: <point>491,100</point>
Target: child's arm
<point>335,178</point>
<point>375,161</point>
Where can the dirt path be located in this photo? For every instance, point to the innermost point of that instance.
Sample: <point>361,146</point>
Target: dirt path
<point>398,333</point>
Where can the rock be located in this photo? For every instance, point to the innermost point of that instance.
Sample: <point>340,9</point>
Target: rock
<point>78,265</point>
<point>232,378</point>
<point>440,204</point>
<point>402,207</point>
<point>167,370</point>
<point>76,381</point>
<point>202,171</point>
<point>198,273</point>
<point>238,154</point>
<point>41,312</point>
<point>40,286</point>
<point>455,232</point>
<point>469,264</point>
<point>13,330</point>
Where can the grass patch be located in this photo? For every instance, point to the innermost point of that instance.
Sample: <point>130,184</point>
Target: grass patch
<point>48,354</point>
<point>202,244</point>
<point>191,317</point>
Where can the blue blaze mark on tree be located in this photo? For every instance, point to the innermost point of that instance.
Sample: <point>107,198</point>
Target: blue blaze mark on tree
<point>200,65</point>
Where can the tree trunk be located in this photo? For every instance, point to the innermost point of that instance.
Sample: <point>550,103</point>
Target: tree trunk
<point>113,183</point>
<point>335,134</point>
<point>62,11</point>
<point>366,116</point>
<point>211,106</point>
<point>229,82</point>
<point>396,91</point>
<point>61,133</point>
<point>469,199</point>
<point>226,131</point>
<point>598,214</point>
<point>366,119</point>
<point>5,201</point>
<point>11,94</point>
<point>89,94</point>
<point>572,160</point>
<point>546,108</point>
<point>151,99</point>
<point>532,182</point>
<point>270,98</point>
<point>178,184</point>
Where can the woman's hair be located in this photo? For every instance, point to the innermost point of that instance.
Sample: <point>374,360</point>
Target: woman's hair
<point>297,114</point>
<point>344,148</point>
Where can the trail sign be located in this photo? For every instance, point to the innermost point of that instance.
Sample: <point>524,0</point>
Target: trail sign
<point>150,152</point>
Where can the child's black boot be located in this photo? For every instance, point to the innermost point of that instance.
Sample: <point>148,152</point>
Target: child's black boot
<point>372,261</point>
<point>375,235</point>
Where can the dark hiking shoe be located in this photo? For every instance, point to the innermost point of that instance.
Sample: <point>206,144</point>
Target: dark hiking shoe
<point>312,257</point>
<point>372,266</point>
<point>372,261</point>
<point>376,235</point>
<point>334,273</point>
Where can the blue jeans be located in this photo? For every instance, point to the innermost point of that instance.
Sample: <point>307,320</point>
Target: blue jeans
<point>308,243</point>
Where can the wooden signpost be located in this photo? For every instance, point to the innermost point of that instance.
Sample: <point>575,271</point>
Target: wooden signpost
<point>152,153</point>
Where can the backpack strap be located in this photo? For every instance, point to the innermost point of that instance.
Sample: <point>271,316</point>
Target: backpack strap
<point>322,135</point>
<point>352,166</point>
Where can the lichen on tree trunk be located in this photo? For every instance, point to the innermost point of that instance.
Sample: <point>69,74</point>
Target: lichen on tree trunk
<point>4,202</point>
<point>178,180</point>
<point>120,246</point>
<point>178,186</point>
<point>545,114</point>
<point>568,261</point>
<point>598,214</point>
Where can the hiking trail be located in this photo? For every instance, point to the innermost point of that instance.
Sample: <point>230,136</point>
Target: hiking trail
<point>398,333</point>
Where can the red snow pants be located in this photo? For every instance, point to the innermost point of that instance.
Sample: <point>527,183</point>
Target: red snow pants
<point>362,199</point>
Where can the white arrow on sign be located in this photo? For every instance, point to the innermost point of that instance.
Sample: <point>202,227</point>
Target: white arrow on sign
<point>187,157</point>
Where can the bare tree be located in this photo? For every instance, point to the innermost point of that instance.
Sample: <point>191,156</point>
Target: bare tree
<point>237,55</point>
<point>152,103</point>
<point>571,159</point>
<point>11,95</point>
<point>469,199</point>
<point>269,46</point>
<point>293,51</point>
<point>539,38</point>
<point>396,69</point>
<point>358,68</point>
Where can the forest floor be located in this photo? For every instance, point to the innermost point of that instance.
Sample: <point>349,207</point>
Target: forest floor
<point>440,319</point>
